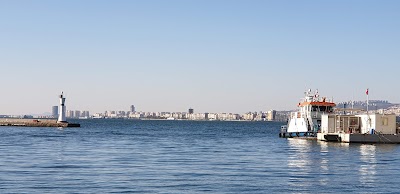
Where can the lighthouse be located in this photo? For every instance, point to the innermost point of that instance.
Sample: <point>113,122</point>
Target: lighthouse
<point>61,113</point>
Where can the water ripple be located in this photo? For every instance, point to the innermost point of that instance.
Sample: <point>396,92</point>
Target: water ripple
<point>128,156</point>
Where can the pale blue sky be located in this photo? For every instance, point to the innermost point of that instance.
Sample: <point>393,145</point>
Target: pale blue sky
<point>213,56</point>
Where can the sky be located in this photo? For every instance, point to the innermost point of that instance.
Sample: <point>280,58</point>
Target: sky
<point>210,55</point>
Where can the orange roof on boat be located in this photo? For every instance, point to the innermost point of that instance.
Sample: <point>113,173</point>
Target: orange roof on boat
<point>317,104</point>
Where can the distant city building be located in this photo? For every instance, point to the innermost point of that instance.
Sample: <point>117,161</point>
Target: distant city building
<point>54,111</point>
<point>70,114</point>
<point>85,114</point>
<point>282,116</point>
<point>132,108</point>
<point>77,113</point>
<point>271,115</point>
<point>98,115</point>
<point>191,111</point>
<point>121,114</point>
<point>260,116</point>
<point>250,116</point>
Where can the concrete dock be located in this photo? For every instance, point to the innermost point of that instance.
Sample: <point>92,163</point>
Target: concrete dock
<point>35,123</point>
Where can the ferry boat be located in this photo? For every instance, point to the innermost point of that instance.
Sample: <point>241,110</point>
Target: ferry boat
<point>307,120</point>
<point>318,119</point>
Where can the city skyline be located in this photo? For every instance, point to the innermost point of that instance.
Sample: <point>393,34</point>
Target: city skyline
<point>190,114</point>
<point>377,104</point>
<point>214,56</point>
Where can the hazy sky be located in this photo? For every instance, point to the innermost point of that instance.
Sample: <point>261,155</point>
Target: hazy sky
<point>213,56</point>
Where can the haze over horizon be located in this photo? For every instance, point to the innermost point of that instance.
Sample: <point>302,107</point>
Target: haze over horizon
<point>213,56</point>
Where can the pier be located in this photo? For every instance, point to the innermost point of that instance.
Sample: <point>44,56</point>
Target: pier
<point>35,123</point>
<point>60,122</point>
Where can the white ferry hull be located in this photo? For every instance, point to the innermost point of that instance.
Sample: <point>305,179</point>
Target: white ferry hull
<point>297,125</point>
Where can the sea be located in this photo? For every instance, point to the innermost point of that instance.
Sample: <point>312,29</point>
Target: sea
<point>134,156</point>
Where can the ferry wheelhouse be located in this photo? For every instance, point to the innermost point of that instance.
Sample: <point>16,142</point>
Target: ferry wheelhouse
<point>307,120</point>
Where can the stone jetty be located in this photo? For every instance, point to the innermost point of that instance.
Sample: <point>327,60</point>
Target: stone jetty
<point>35,123</point>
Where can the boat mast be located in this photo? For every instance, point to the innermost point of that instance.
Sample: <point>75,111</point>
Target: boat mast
<point>367,99</point>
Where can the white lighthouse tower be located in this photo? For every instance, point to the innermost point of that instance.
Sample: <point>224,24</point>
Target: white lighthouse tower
<point>61,109</point>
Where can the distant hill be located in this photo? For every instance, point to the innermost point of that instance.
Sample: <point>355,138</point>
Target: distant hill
<point>373,104</point>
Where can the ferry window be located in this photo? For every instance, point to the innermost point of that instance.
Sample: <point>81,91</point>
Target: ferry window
<point>314,108</point>
<point>353,121</point>
<point>322,108</point>
<point>329,109</point>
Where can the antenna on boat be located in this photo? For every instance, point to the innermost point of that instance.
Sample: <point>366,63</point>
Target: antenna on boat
<point>367,92</point>
<point>316,95</point>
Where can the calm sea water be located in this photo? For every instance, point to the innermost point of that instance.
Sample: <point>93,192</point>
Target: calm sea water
<point>128,156</point>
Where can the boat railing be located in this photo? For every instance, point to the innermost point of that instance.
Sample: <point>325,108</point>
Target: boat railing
<point>283,128</point>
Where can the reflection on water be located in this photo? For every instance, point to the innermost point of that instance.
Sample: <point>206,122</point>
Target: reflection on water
<point>367,169</point>
<point>300,148</point>
<point>388,148</point>
<point>325,145</point>
<point>324,163</point>
<point>331,167</point>
<point>299,162</point>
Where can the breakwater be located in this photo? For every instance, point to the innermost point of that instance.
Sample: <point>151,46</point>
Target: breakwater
<point>35,123</point>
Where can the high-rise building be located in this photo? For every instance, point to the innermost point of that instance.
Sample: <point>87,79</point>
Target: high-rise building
<point>70,114</point>
<point>85,113</point>
<point>271,115</point>
<point>77,113</point>
<point>54,111</point>
<point>191,111</point>
<point>133,108</point>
